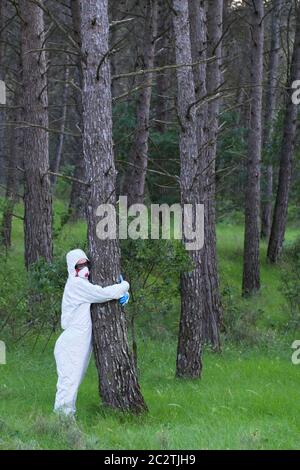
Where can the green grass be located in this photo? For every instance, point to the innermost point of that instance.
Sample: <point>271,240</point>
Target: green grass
<point>270,300</point>
<point>247,397</point>
<point>245,400</point>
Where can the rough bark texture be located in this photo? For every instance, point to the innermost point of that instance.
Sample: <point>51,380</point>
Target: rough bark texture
<point>241,70</point>
<point>37,196</point>
<point>189,362</point>
<point>15,148</point>
<point>3,34</point>
<point>286,155</point>
<point>118,382</point>
<point>269,118</point>
<point>121,41</point>
<point>206,135</point>
<point>77,205</point>
<point>251,273</point>
<point>211,292</point>
<point>60,141</point>
<point>267,207</point>
<point>162,59</point>
<point>135,177</point>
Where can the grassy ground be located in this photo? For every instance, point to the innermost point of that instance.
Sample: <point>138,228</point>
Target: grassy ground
<point>247,398</point>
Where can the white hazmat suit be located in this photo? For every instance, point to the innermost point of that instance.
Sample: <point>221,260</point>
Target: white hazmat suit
<point>73,348</point>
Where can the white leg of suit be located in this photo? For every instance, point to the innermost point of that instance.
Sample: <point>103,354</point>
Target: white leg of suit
<point>72,353</point>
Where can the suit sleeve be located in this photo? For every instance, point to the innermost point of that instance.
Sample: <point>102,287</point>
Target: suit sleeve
<point>85,291</point>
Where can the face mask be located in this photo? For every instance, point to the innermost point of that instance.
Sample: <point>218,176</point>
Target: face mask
<point>84,272</point>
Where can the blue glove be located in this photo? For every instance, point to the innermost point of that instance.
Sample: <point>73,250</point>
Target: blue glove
<point>124,299</point>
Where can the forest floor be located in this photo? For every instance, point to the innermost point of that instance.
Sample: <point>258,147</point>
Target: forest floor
<point>248,396</point>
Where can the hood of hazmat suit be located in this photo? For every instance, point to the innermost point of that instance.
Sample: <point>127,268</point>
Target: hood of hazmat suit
<point>73,347</point>
<point>72,259</point>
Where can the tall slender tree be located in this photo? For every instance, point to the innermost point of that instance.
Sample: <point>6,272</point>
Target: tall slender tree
<point>3,42</point>
<point>212,300</point>
<point>135,176</point>
<point>118,381</point>
<point>286,153</point>
<point>163,58</point>
<point>251,272</point>
<point>189,363</point>
<point>77,205</point>
<point>14,151</point>
<point>206,35</point>
<point>269,118</point>
<point>11,132</point>
<point>37,196</point>
<point>60,141</point>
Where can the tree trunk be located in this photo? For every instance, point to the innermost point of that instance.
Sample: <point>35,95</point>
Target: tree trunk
<point>78,196</point>
<point>189,362</point>
<point>241,50</point>
<point>15,147</point>
<point>3,34</point>
<point>286,155</point>
<point>266,212</point>
<point>123,55</point>
<point>62,128</point>
<point>251,273</point>
<point>206,135</point>
<point>211,291</point>
<point>135,176</point>
<point>269,118</point>
<point>118,382</point>
<point>77,205</point>
<point>162,78</point>
<point>37,196</point>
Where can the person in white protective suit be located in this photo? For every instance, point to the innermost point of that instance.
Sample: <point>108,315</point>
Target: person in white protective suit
<point>73,348</point>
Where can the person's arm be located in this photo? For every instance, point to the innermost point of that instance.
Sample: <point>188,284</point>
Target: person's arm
<point>85,291</point>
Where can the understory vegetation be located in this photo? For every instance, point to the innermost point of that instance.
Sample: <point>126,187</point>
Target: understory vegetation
<point>247,397</point>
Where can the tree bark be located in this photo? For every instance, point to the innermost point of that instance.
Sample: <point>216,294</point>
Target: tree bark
<point>3,34</point>
<point>78,197</point>
<point>269,118</point>
<point>60,141</point>
<point>211,291</point>
<point>251,272</point>
<point>15,147</point>
<point>206,135</point>
<point>118,381</point>
<point>286,154</point>
<point>162,78</point>
<point>77,205</point>
<point>37,196</point>
<point>135,176</point>
<point>189,363</point>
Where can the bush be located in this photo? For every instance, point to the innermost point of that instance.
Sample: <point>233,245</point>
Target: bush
<point>46,283</point>
<point>13,297</point>
<point>241,320</point>
<point>153,269</point>
<point>31,301</point>
<point>290,276</point>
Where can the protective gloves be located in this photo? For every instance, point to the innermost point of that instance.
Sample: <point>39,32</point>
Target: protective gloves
<point>124,299</point>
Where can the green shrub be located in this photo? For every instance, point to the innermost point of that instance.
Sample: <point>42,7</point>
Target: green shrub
<point>45,287</point>
<point>13,297</point>
<point>290,278</point>
<point>153,269</point>
<point>241,320</point>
